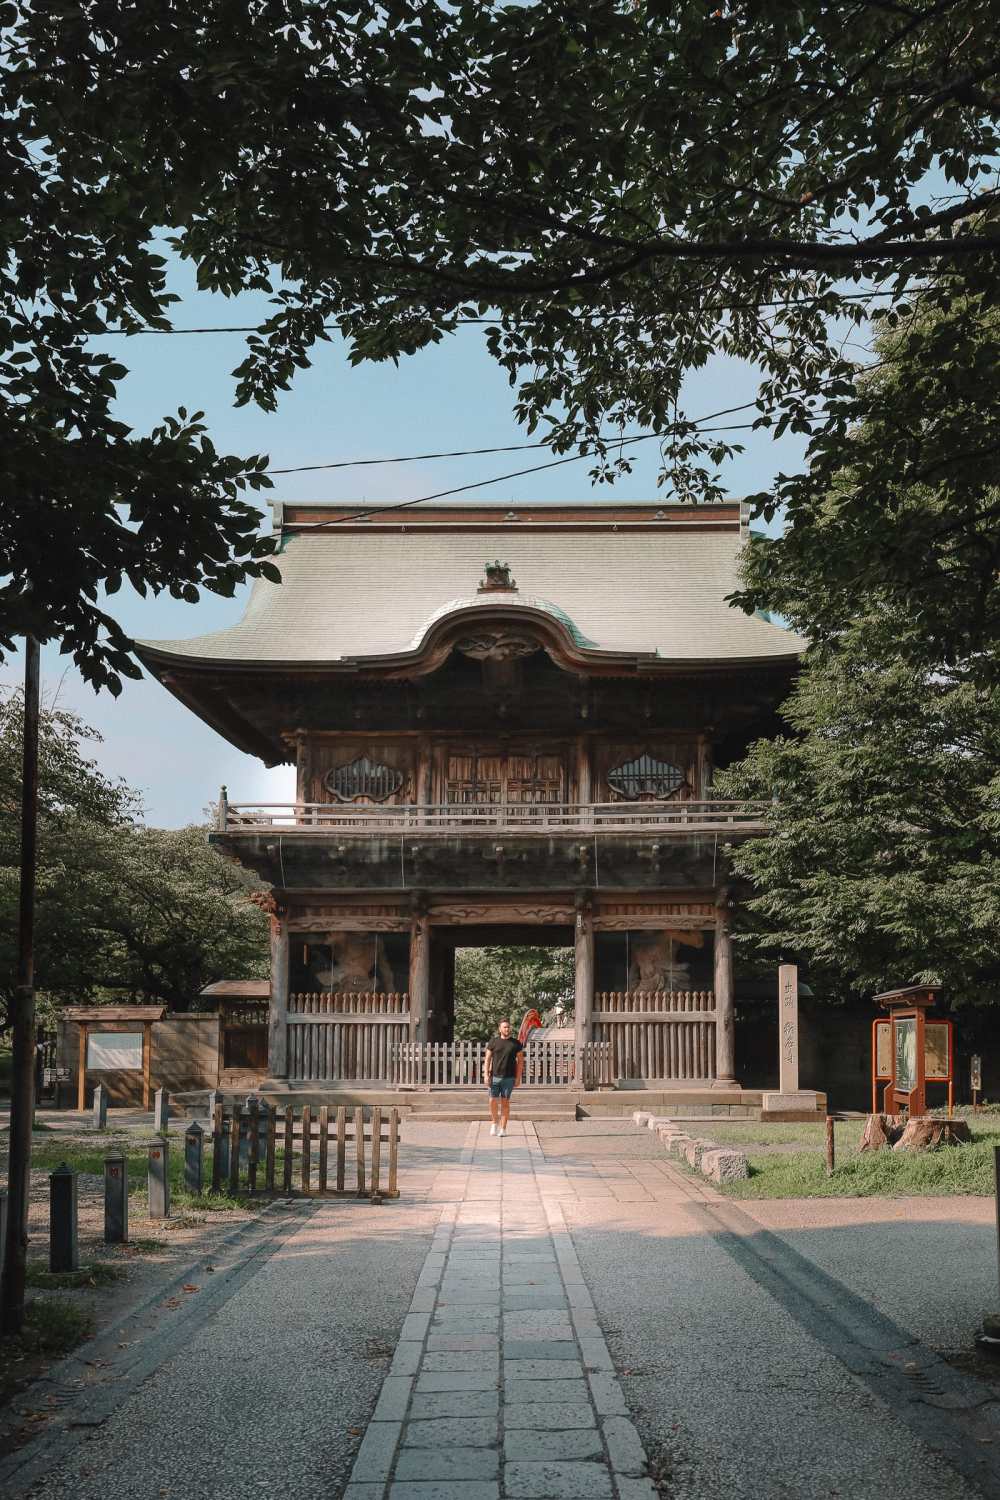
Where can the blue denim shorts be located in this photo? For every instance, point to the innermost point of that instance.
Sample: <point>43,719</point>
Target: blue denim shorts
<point>501,1088</point>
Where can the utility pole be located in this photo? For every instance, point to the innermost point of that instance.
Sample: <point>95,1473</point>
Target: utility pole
<point>22,1103</point>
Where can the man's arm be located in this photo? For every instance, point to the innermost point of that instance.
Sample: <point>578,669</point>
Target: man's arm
<point>488,1065</point>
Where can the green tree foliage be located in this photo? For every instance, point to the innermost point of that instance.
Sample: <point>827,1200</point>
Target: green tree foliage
<point>491,983</point>
<point>620,189</point>
<point>883,860</point>
<point>123,911</point>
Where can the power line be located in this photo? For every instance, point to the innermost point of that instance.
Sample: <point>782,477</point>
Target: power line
<point>479,484</point>
<point>412,458</point>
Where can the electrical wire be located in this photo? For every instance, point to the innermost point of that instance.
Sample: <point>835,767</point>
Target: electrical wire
<point>412,458</point>
<point>362,515</point>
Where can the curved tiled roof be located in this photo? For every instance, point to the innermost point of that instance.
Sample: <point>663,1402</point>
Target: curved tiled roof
<point>361,595</point>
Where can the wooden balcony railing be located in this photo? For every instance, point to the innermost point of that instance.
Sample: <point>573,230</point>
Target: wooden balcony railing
<point>512,817</point>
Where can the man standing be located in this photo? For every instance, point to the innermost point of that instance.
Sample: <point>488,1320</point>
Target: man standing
<point>499,1071</point>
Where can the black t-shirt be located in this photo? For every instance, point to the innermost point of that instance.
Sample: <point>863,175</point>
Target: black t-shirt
<point>505,1050</point>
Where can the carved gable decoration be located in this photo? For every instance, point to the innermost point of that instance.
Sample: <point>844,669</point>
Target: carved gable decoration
<point>497,579</point>
<point>646,778</point>
<point>363,780</point>
<point>497,645</point>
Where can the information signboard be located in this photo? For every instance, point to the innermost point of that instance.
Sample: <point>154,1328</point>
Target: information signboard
<point>905,1036</point>
<point>114,1051</point>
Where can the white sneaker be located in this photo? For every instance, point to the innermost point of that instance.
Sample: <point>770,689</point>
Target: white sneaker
<point>502,1130</point>
<point>493,1130</point>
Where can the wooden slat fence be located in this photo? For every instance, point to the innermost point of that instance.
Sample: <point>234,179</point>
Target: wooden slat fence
<point>345,1035</point>
<point>360,1143</point>
<point>658,1033</point>
<point>460,1064</point>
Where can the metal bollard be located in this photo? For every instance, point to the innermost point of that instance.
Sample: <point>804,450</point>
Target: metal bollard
<point>161,1111</point>
<point>64,1253</point>
<point>159,1180</point>
<point>193,1157</point>
<point>100,1108</point>
<point>116,1198</point>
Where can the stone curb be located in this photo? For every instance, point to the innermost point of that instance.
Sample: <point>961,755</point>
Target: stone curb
<point>717,1163</point>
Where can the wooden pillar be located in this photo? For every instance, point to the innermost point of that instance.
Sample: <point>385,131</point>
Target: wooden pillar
<point>583,779</point>
<point>277,1042</point>
<point>423,781</point>
<point>584,983</point>
<point>420,976</point>
<point>147,1047</point>
<point>81,1080</point>
<point>725,1020</point>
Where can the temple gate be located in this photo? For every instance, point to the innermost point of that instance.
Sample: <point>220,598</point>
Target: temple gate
<point>508,751</point>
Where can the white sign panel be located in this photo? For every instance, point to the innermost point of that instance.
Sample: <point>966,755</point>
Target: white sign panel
<point>107,1050</point>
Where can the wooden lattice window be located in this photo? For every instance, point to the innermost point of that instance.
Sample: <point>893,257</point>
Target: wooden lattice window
<point>363,780</point>
<point>485,778</point>
<point>646,778</point>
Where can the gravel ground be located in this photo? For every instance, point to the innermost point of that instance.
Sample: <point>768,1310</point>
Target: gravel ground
<point>272,1393</point>
<point>731,1397</point>
<point>929,1263</point>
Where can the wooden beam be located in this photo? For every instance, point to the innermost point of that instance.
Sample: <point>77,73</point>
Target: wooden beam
<point>420,976</point>
<point>81,1082</point>
<point>147,1047</point>
<point>277,1041</point>
<point>583,983</point>
<point>725,1020</point>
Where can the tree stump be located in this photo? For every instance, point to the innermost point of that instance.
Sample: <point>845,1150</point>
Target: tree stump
<point>925,1132</point>
<point>881,1131</point>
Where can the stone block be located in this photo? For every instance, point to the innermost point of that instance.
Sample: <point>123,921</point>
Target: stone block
<point>679,1144</point>
<point>695,1150</point>
<point>374,1461</point>
<point>555,1480</point>
<point>725,1166</point>
<point>451,1432</point>
<point>625,1449</point>
<point>574,1442</point>
<point>456,1464</point>
<point>549,1416</point>
<point>806,1100</point>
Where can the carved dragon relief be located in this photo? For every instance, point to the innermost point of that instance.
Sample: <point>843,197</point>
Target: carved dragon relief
<point>498,645</point>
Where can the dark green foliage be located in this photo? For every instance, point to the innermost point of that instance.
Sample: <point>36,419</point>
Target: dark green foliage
<point>883,861</point>
<point>491,983</point>
<point>621,189</point>
<point>123,911</point>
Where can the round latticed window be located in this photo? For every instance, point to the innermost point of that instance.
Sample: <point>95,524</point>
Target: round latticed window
<point>363,780</point>
<point>646,779</point>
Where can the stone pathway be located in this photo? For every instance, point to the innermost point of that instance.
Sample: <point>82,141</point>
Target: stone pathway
<point>501,1383</point>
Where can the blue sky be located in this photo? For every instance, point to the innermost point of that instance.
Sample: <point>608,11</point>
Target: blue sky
<point>452,396</point>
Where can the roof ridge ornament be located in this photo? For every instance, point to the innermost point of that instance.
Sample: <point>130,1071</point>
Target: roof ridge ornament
<point>497,579</point>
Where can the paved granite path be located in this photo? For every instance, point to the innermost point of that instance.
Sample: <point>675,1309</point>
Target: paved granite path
<point>501,1381</point>
<point>454,1345</point>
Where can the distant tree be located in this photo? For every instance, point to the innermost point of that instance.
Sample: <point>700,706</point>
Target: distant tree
<point>123,911</point>
<point>882,861</point>
<point>494,982</point>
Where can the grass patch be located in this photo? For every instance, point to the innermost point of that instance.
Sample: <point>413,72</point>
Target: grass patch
<point>944,1172</point>
<point>88,1160</point>
<point>52,1327</point>
<point>807,1134</point>
<point>99,1273</point>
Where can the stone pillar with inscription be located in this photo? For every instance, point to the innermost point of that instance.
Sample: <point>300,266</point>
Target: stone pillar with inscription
<point>277,1041</point>
<point>790,1102</point>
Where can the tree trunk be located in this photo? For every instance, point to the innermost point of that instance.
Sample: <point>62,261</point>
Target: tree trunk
<point>881,1131</point>
<point>924,1132</point>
